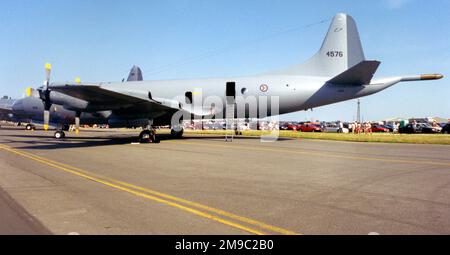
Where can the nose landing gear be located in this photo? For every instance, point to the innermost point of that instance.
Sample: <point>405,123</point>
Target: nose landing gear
<point>30,127</point>
<point>59,134</point>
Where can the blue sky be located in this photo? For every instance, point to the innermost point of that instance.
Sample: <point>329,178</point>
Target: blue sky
<point>99,40</point>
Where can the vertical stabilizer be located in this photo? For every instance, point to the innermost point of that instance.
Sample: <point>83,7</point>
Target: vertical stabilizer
<point>340,51</point>
<point>135,74</point>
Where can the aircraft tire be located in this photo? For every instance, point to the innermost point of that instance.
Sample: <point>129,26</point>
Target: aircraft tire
<point>176,134</point>
<point>147,136</point>
<point>59,135</point>
<point>29,127</point>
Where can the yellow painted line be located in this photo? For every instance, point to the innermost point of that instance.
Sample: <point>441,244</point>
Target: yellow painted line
<point>316,154</point>
<point>177,199</point>
<point>120,185</point>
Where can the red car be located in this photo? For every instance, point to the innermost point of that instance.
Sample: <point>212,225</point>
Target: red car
<point>289,126</point>
<point>379,129</point>
<point>309,128</point>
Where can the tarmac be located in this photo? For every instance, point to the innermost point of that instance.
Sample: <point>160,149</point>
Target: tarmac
<point>101,182</point>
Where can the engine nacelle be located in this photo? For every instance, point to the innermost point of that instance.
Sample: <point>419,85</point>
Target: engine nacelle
<point>68,102</point>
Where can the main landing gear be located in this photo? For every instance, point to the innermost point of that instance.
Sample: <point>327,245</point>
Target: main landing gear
<point>177,132</point>
<point>148,135</point>
<point>59,133</point>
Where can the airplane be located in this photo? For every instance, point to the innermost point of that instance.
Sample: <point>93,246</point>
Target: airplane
<point>6,109</point>
<point>336,73</point>
<point>30,109</point>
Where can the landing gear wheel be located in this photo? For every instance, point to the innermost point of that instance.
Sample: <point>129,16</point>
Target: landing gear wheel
<point>30,127</point>
<point>59,134</point>
<point>176,134</point>
<point>147,136</point>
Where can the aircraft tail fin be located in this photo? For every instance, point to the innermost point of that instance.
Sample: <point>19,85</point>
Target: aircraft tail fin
<point>359,74</point>
<point>340,51</point>
<point>135,74</point>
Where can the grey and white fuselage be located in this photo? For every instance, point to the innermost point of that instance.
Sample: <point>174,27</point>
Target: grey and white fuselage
<point>336,73</point>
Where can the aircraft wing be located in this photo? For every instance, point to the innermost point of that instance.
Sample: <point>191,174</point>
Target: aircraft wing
<point>104,98</point>
<point>6,106</point>
<point>5,110</point>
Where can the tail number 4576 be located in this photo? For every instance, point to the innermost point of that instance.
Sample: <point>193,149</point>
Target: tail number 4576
<point>335,54</point>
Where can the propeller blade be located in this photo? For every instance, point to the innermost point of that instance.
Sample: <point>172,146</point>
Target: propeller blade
<point>46,96</point>
<point>29,92</point>
<point>46,119</point>
<point>48,70</point>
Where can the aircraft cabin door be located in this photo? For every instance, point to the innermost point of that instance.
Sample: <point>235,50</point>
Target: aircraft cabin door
<point>231,92</point>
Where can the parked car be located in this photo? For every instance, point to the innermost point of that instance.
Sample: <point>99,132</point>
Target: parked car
<point>308,127</point>
<point>390,127</point>
<point>410,129</point>
<point>446,129</point>
<point>428,129</point>
<point>418,128</point>
<point>334,128</point>
<point>379,129</point>
<point>289,126</point>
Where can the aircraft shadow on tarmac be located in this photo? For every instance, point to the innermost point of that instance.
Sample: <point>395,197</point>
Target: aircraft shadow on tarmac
<point>49,142</point>
<point>8,128</point>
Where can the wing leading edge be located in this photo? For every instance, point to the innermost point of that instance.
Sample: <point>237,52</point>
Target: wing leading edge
<point>108,99</point>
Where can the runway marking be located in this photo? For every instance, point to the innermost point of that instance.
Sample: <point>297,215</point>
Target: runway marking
<point>158,196</point>
<point>296,151</point>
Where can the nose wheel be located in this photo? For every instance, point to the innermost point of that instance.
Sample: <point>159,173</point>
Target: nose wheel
<point>59,134</point>
<point>30,127</point>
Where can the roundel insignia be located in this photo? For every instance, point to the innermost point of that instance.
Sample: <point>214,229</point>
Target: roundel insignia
<point>264,88</point>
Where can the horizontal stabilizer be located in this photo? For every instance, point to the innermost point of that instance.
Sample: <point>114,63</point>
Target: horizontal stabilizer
<point>359,74</point>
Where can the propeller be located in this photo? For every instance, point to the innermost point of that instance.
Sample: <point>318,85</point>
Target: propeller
<point>44,94</point>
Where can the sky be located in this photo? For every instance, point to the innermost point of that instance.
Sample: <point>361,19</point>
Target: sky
<point>100,40</point>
